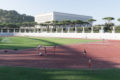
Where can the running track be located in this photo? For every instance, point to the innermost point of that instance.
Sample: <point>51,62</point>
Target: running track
<point>103,54</point>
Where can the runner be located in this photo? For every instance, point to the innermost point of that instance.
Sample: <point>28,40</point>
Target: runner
<point>84,52</point>
<point>89,63</point>
<point>38,49</point>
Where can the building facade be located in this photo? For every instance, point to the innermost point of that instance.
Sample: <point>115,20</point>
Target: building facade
<point>58,16</point>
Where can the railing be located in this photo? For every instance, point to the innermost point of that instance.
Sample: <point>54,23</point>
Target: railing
<point>53,30</point>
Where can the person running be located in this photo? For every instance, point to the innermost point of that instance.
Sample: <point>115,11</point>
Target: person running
<point>90,63</point>
<point>40,54</point>
<point>84,52</point>
<point>39,49</point>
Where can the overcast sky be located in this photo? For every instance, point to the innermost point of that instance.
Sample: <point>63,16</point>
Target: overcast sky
<point>96,8</point>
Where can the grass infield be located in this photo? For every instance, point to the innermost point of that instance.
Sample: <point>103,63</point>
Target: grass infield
<point>19,73</point>
<point>32,42</point>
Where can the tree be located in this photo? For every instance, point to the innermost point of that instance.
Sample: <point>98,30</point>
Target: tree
<point>64,22</point>
<point>106,28</point>
<point>54,23</point>
<point>12,16</point>
<point>108,19</point>
<point>108,24</point>
<point>74,23</point>
<point>85,23</point>
<point>29,24</point>
<point>91,21</point>
<point>79,22</point>
<point>42,24</point>
<point>67,23</point>
<point>59,23</point>
<point>118,19</point>
<point>47,24</point>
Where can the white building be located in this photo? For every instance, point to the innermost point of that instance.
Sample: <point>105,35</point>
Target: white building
<point>58,16</point>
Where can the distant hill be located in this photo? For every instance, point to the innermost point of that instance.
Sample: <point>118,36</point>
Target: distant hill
<point>13,16</point>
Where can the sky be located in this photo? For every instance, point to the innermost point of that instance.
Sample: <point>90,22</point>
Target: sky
<point>96,8</point>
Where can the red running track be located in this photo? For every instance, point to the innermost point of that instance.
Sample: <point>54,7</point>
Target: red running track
<point>103,54</point>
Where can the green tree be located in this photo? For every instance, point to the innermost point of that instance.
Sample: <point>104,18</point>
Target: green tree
<point>12,16</point>
<point>54,23</point>
<point>108,19</point>
<point>91,21</point>
<point>108,24</point>
<point>85,23</point>
<point>29,24</point>
<point>118,19</point>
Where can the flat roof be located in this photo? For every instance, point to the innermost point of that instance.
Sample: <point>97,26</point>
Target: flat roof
<point>54,12</point>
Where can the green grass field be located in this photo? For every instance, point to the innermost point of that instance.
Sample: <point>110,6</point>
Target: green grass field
<point>30,42</point>
<point>14,73</point>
